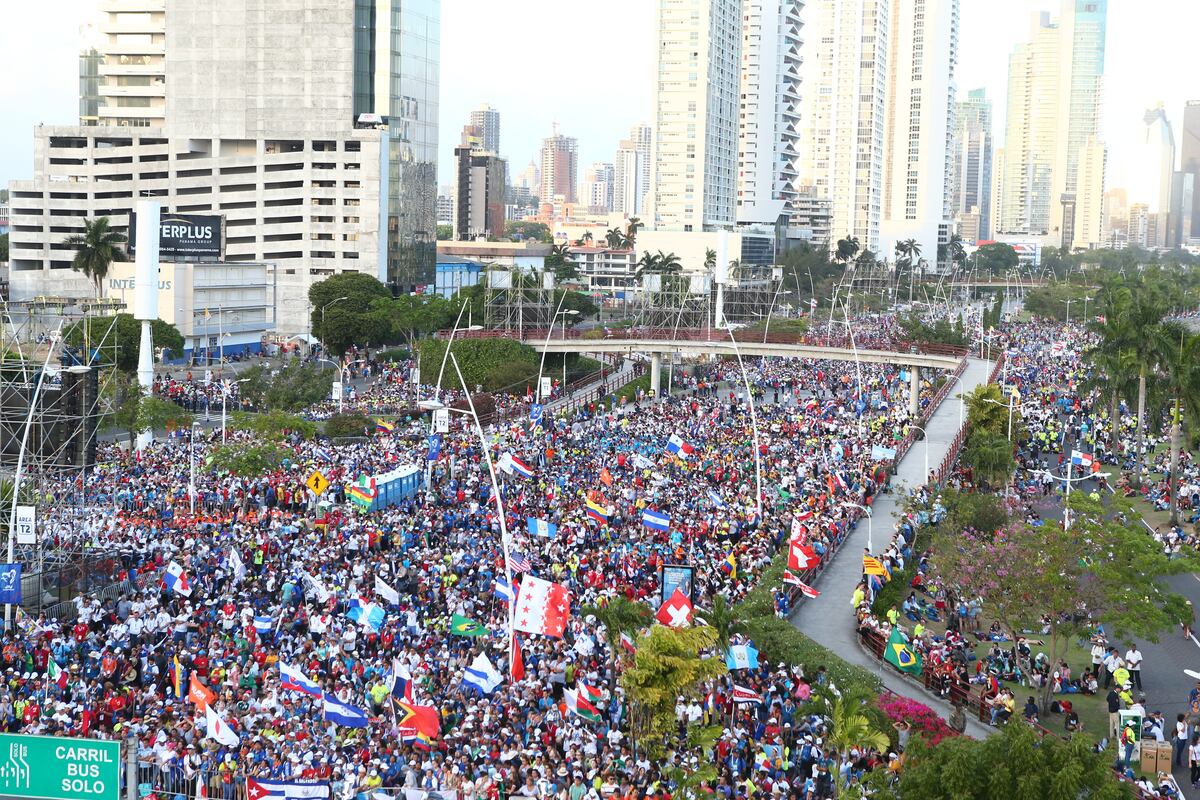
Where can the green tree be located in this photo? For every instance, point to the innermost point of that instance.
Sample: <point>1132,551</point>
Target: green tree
<point>666,665</point>
<point>619,615</point>
<point>1036,577</point>
<point>494,364</point>
<point>248,460</point>
<point>990,456</point>
<point>560,263</point>
<point>534,231</point>
<point>3,247</point>
<point>1180,360</point>
<point>614,238</point>
<point>724,619</point>
<point>116,341</point>
<point>996,258</point>
<point>988,411</point>
<point>445,233</point>
<point>632,227</point>
<point>412,316</point>
<point>274,425</point>
<point>1013,763</point>
<point>95,250</point>
<point>853,722</point>
<point>291,388</point>
<point>847,248</point>
<point>346,426</point>
<point>710,258</point>
<point>132,412</point>
<point>340,323</point>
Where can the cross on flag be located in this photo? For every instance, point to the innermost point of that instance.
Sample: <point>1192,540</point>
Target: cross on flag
<point>542,607</point>
<point>676,612</point>
<point>801,556</point>
<point>791,578</point>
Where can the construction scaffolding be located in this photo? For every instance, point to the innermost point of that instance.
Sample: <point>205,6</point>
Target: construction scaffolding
<point>517,300</point>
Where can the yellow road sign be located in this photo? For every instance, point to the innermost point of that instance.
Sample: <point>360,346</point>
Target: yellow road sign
<point>317,482</point>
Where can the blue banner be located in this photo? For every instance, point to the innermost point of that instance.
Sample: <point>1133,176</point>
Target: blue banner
<point>435,446</point>
<point>10,584</point>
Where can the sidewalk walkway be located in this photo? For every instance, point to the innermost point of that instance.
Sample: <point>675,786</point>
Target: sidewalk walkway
<point>827,619</point>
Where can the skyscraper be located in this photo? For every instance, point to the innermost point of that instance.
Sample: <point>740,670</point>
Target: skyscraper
<point>769,116</point>
<point>843,113</point>
<point>697,73</point>
<point>1091,208</point>
<point>972,164</point>
<point>560,157</point>
<point>1153,168</point>
<point>598,183</point>
<point>1054,89</point>
<point>1189,155</point>
<point>131,90</point>
<point>642,137</point>
<point>628,189</point>
<point>480,188</point>
<point>487,119</point>
<point>919,125</point>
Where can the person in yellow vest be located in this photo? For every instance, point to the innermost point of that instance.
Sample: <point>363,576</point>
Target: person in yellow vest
<point>858,597</point>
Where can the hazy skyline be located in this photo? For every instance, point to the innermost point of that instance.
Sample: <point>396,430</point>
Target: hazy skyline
<point>590,71</point>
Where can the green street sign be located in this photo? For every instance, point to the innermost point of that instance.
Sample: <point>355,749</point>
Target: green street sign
<point>56,768</point>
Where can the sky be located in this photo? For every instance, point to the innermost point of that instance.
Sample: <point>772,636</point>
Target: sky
<point>587,67</point>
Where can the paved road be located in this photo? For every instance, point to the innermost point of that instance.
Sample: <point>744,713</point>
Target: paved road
<point>828,618</point>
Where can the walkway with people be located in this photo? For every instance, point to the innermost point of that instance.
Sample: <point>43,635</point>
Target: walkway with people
<point>828,619</point>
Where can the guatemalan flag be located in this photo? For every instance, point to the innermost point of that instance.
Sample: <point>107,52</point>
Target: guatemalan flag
<point>678,447</point>
<point>177,580</point>
<point>741,656</point>
<point>366,613</point>
<point>656,520</point>
<point>541,527</point>
<point>520,467</point>
<point>294,678</point>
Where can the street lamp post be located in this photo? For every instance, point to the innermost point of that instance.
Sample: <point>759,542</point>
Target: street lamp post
<point>866,510</point>
<point>342,370</point>
<point>327,305</point>
<point>192,473</point>
<point>925,435</point>
<point>961,397</point>
<point>441,370</point>
<point>553,320</point>
<point>225,387</point>
<point>1068,479</point>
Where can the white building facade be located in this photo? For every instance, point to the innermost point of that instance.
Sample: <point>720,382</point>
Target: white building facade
<point>487,119</point>
<point>628,189</point>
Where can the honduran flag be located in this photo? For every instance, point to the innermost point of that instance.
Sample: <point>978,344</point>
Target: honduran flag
<point>323,454</point>
<point>504,590</point>
<point>294,678</point>
<point>177,580</point>
<point>1080,459</point>
<point>656,520</point>
<point>715,499</point>
<point>263,624</point>
<point>520,467</point>
<point>678,447</point>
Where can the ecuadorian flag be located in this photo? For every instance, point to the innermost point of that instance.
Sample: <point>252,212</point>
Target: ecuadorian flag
<point>597,511</point>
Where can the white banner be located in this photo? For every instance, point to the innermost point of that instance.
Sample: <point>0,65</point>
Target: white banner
<point>441,420</point>
<point>546,386</point>
<point>25,525</point>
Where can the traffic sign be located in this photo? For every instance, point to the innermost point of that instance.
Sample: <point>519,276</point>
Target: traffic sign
<point>317,482</point>
<point>58,768</point>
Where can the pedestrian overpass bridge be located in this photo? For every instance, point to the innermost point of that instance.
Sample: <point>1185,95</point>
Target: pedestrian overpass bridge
<point>656,343</point>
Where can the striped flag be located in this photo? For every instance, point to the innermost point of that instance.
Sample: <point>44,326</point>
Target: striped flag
<point>873,566</point>
<point>792,579</point>
<point>503,590</point>
<point>741,694</point>
<point>519,562</point>
<point>656,520</point>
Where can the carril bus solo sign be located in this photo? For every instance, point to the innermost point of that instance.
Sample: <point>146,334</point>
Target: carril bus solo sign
<point>57,768</point>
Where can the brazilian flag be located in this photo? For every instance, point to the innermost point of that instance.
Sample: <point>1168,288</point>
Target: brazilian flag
<point>461,626</point>
<point>900,655</point>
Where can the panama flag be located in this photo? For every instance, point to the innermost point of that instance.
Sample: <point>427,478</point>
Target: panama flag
<point>520,467</point>
<point>656,520</point>
<point>294,678</point>
<point>1079,459</point>
<point>401,683</point>
<point>177,580</point>
<point>678,447</point>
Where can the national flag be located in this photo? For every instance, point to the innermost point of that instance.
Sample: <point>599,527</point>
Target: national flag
<point>676,612</point>
<point>236,564</point>
<point>176,580</point>
<point>580,706</point>
<point>56,674</point>
<point>383,426</point>
<point>1080,459</point>
<point>741,694</point>
<point>461,626</point>
<point>641,462</point>
<point>542,607</point>
<point>261,789</point>
<point>741,656</point>
<point>482,676</point>
<point>606,477</point>
<point>729,566</point>
<point>516,666</point>
<point>790,578</point>
<point>218,729</point>
<point>263,624</point>
<point>628,644</point>
<point>678,447</point>
<point>363,491</point>
<point>323,454</point>
<point>384,590</point>
<point>715,499</point>
<point>589,693</point>
<point>199,694</point>
<point>343,714</point>
<point>900,655</point>
<point>799,531</point>
<point>656,520</point>
<point>801,556</point>
<point>367,614</point>
<point>503,590</point>
<point>417,719</point>
<point>597,512</point>
<point>294,678</point>
<point>541,527</point>
<point>176,672</point>
<point>519,562</point>
<point>873,566</point>
<point>520,467</point>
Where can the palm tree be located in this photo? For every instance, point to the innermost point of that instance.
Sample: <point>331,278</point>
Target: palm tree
<point>851,726</point>
<point>95,250</point>
<point>669,263</point>
<point>631,229</point>
<point>619,615</point>
<point>958,253</point>
<point>587,237</point>
<point>710,258</point>
<point>847,248</point>
<point>724,619</point>
<point>613,238</point>
<point>647,263</point>
<point>1179,362</point>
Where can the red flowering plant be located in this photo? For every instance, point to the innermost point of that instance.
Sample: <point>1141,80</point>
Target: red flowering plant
<point>922,719</point>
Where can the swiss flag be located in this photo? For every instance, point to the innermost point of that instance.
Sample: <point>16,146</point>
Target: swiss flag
<point>676,612</point>
<point>542,607</point>
<point>801,556</point>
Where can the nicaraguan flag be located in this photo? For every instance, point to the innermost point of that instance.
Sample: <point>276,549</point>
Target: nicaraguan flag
<point>366,613</point>
<point>294,678</point>
<point>656,520</point>
<point>541,527</point>
<point>715,499</point>
<point>1080,459</point>
<point>741,656</point>
<point>344,714</point>
<point>504,590</point>
<point>482,676</point>
<point>262,789</point>
<point>263,624</point>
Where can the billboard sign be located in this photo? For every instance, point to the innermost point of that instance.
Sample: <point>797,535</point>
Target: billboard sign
<point>58,768</point>
<point>183,237</point>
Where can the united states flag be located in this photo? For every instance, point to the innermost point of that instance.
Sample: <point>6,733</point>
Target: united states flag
<point>519,562</point>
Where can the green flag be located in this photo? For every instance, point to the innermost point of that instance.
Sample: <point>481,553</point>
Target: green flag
<point>900,655</point>
<point>461,626</point>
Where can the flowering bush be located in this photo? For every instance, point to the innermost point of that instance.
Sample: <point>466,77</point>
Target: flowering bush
<point>923,719</point>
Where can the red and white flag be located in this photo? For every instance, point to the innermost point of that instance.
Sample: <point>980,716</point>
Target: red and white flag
<point>542,607</point>
<point>627,643</point>
<point>801,556</point>
<point>676,612</point>
<point>743,695</point>
<point>805,589</point>
<point>799,531</point>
